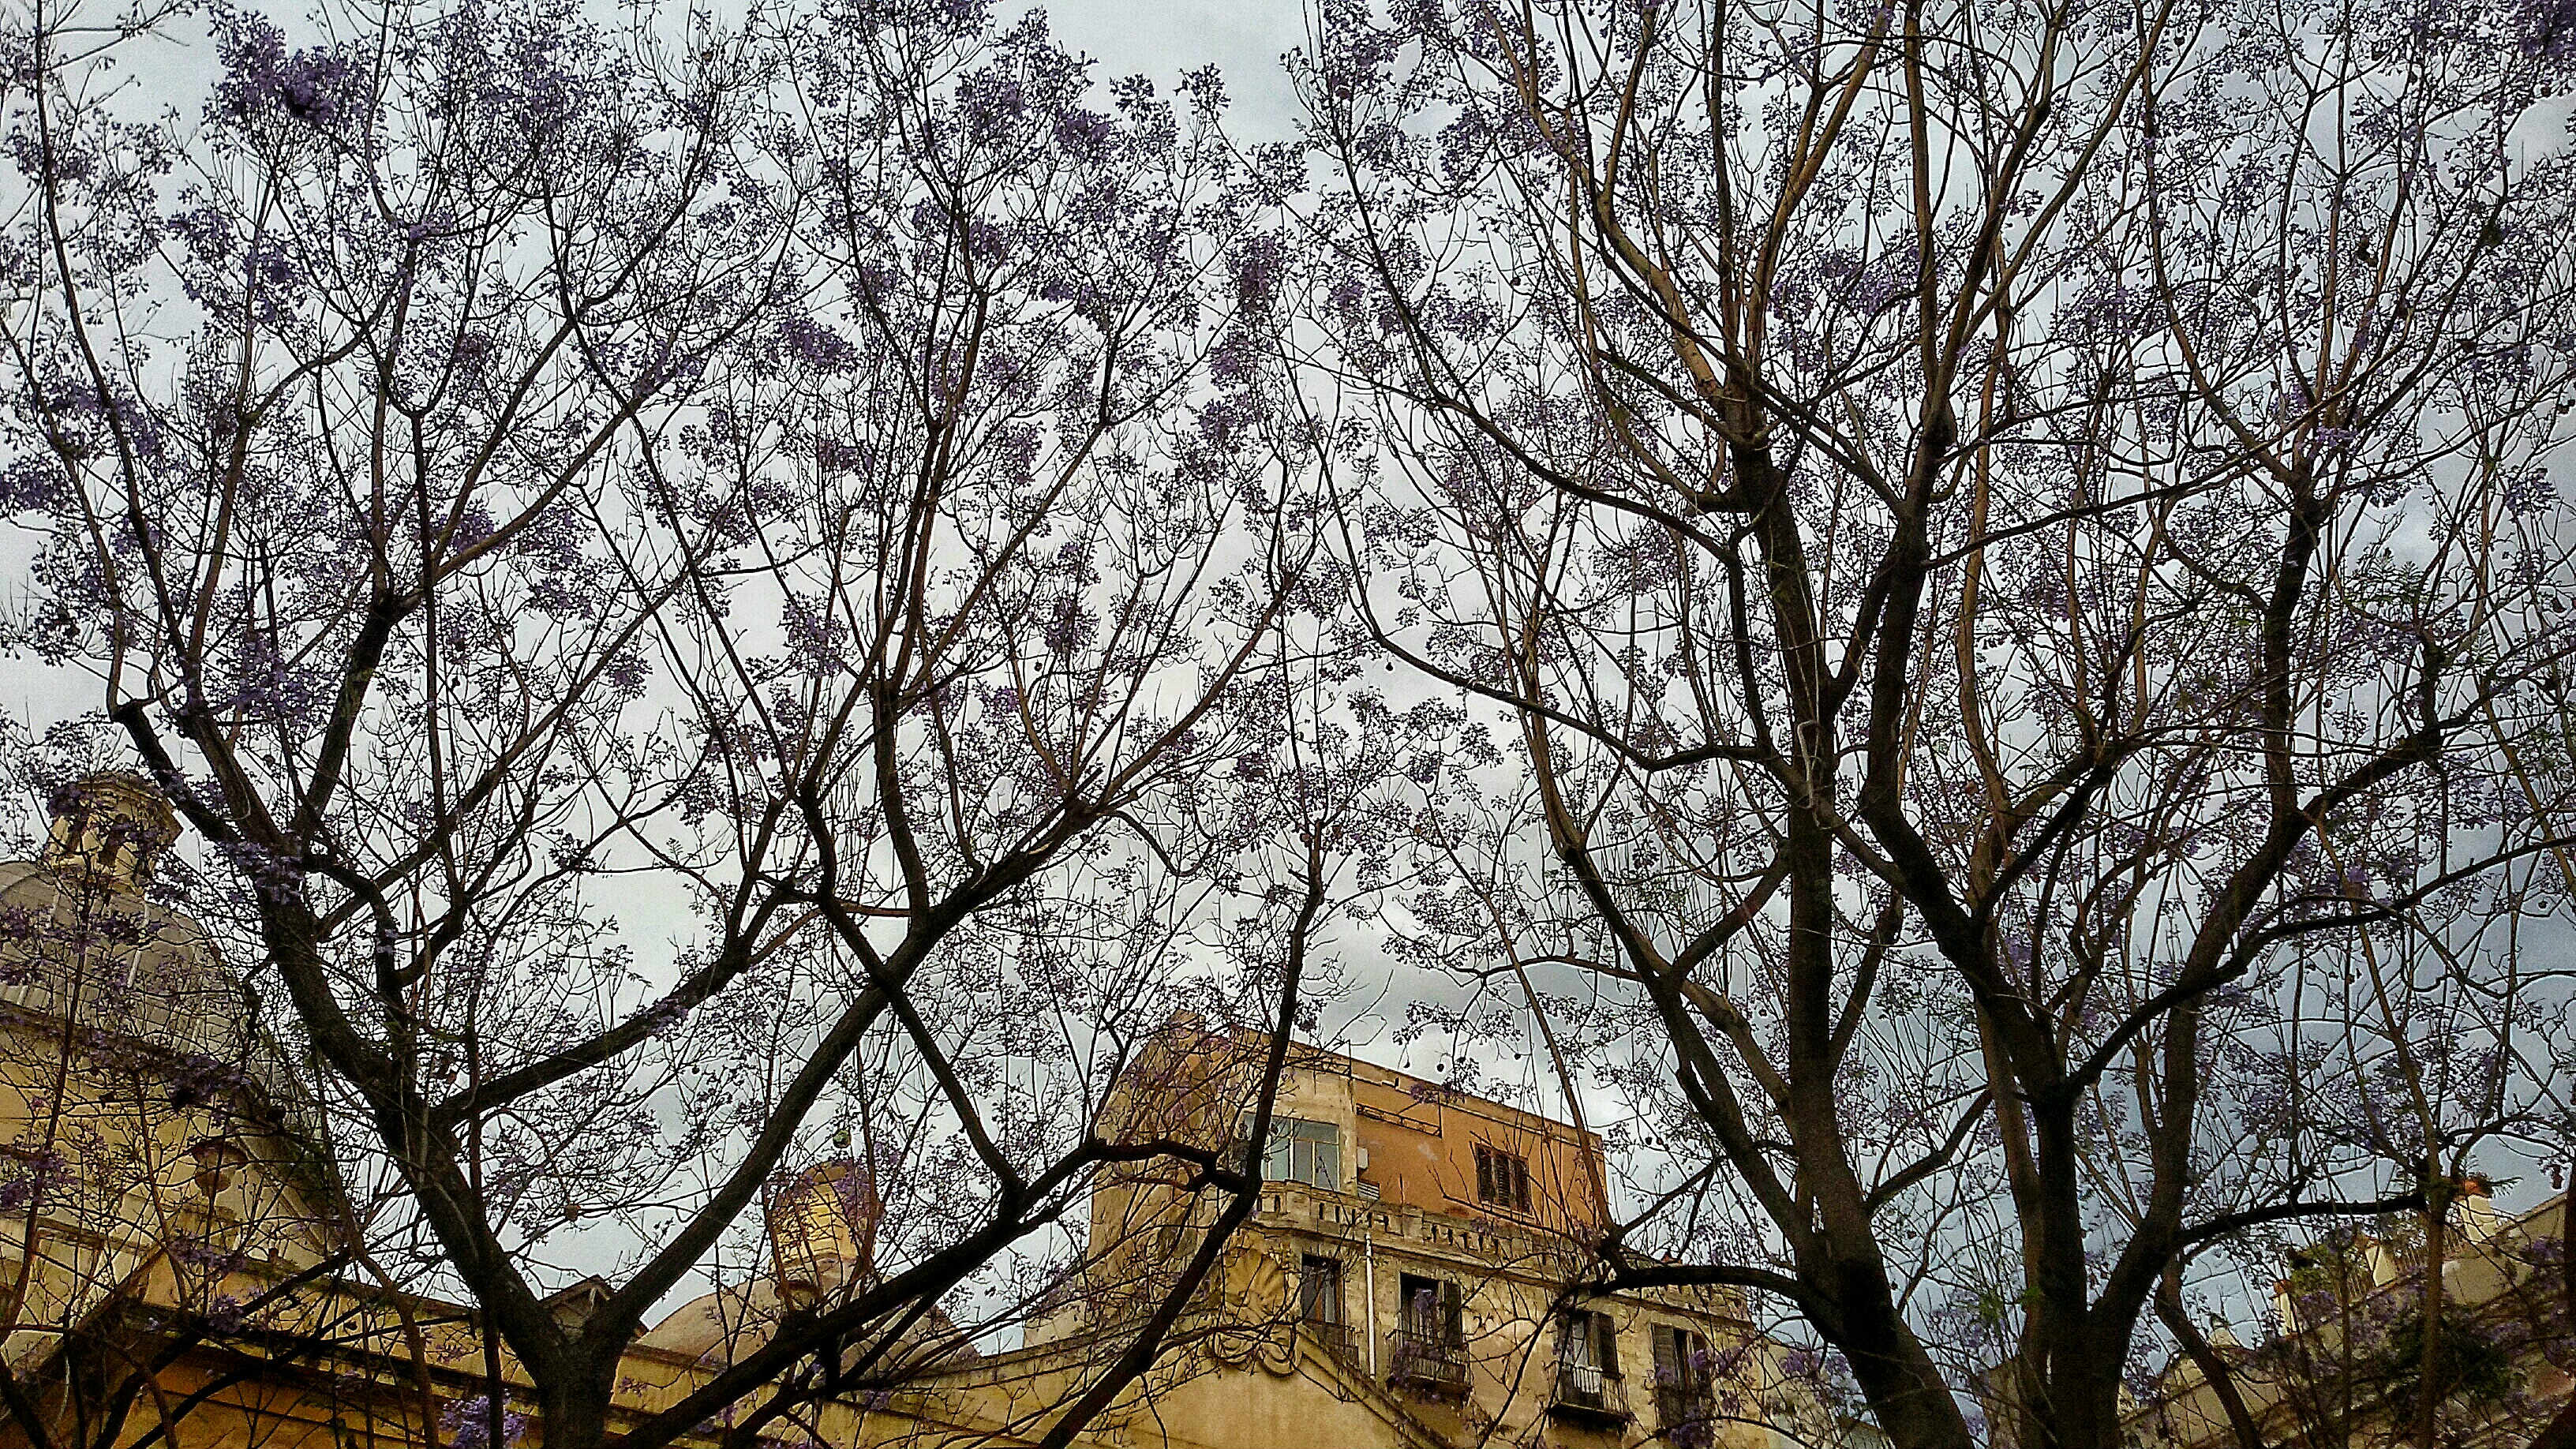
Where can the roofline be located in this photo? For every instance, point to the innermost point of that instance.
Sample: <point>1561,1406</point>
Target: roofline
<point>1309,1056</point>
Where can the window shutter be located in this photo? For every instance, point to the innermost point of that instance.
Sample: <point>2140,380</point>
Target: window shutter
<point>1608,1335</point>
<point>1668,1356</point>
<point>1520,1183</point>
<point>1453,1314</point>
<point>1484,1175</point>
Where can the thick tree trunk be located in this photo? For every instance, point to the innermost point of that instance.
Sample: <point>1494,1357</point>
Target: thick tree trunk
<point>2082,1408</point>
<point>573,1414</point>
<point>2071,1366</point>
<point>1906,1392</point>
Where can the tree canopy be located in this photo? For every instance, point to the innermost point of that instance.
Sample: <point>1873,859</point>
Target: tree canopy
<point>1961,610</point>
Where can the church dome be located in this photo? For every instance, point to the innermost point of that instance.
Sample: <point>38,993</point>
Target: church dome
<point>718,1327</point>
<point>81,942</point>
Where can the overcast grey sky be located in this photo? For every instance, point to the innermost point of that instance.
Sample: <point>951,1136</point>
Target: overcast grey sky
<point>1161,38</point>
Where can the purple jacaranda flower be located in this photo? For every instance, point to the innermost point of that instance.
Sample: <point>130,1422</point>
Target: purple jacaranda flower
<point>816,346</point>
<point>317,87</point>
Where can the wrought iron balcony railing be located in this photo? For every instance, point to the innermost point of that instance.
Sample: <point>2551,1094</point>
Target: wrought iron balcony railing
<point>1337,1339</point>
<point>1427,1361</point>
<point>1583,1391</point>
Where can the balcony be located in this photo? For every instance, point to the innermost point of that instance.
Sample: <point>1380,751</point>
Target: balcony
<point>1427,1362</point>
<point>1685,1413</point>
<point>1337,1339</point>
<point>1582,1393</point>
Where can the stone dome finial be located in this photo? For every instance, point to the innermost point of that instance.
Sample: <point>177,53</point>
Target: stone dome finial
<point>113,824</point>
<point>822,1230</point>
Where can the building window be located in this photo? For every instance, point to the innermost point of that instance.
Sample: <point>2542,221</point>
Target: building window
<point>1319,1289</point>
<point>1685,1397</point>
<point>1587,1366</point>
<point>1588,1340</point>
<point>1303,1151</point>
<point>1429,1345</point>
<point>1431,1310</point>
<point>1502,1179</point>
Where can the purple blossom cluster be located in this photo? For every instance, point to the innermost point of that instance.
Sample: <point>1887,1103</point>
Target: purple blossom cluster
<point>267,82</point>
<point>467,1424</point>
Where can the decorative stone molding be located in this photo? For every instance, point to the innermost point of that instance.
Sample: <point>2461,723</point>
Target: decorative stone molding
<point>1252,1314</point>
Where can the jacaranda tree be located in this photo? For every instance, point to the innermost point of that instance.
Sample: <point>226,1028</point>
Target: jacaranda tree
<point>687,583</point>
<point>2017,548</point>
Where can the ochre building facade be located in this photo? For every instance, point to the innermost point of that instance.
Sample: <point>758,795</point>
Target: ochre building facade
<point>177,1264</point>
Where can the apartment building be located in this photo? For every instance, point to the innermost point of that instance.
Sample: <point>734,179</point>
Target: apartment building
<point>1438,1247</point>
<point>175,1248</point>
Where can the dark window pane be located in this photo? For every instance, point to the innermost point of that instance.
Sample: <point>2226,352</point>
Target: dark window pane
<point>1319,1290</point>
